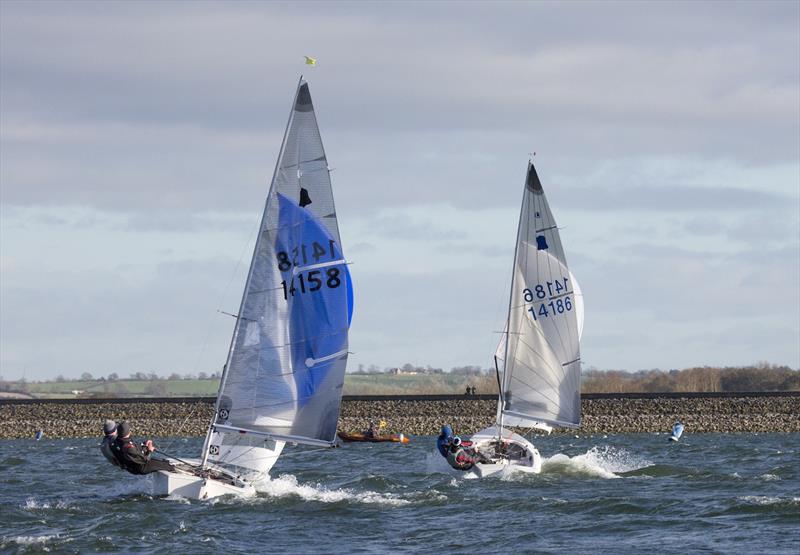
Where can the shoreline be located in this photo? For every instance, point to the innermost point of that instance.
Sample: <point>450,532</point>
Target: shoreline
<point>732,413</point>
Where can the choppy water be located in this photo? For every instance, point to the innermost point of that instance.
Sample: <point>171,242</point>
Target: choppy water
<point>626,493</point>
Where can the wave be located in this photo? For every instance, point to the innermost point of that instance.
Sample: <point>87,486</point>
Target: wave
<point>599,462</point>
<point>32,504</point>
<point>286,485</point>
<point>767,500</point>
<point>8,541</point>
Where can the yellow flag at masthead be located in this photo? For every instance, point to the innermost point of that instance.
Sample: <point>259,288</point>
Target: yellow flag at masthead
<point>310,61</point>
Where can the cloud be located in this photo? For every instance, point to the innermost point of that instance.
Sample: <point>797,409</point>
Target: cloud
<point>677,198</point>
<point>137,142</point>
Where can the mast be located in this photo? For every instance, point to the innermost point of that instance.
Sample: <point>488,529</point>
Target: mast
<point>236,326</point>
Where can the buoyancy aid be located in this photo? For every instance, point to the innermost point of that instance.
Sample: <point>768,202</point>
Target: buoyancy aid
<point>460,459</point>
<point>130,457</point>
<point>107,449</point>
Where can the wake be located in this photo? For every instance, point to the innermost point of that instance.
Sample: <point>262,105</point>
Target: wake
<point>287,486</point>
<point>598,462</point>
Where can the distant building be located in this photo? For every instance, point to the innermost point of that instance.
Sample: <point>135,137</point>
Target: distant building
<point>401,372</point>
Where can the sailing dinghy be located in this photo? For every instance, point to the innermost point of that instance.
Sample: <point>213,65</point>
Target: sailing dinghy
<point>540,347</point>
<point>286,362</point>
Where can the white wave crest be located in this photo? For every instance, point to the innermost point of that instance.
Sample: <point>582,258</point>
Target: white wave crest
<point>603,462</point>
<point>766,500</point>
<point>30,540</point>
<point>769,477</point>
<point>32,504</point>
<point>41,541</point>
<point>181,500</point>
<point>286,485</point>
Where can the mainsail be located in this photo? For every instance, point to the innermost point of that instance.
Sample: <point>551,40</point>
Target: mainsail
<point>285,370</point>
<point>541,352</point>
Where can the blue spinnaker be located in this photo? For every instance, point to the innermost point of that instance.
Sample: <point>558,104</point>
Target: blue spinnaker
<point>317,285</point>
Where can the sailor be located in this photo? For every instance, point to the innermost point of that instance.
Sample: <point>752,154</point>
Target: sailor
<point>444,439</point>
<point>106,448</point>
<point>134,459</point>
<point>461,457</point>
<point>372,431</point>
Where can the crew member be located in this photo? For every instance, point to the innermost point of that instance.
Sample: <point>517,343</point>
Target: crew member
<point>461,457</point>
<point>107,447</point>
<point>444,439</point>
<point>373,430</point>
<point>132,458</point>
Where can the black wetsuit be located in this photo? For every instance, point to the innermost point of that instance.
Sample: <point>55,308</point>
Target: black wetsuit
<point>134,460</point>
<point>107,449</point>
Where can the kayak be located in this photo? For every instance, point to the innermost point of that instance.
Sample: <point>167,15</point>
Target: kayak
<point>396,438</point>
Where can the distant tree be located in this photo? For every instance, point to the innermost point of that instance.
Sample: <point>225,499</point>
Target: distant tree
<point>87,376</point>
<point>698,379</point>
<point>174,376</point>
<point>152,376</point>
<point>202,376</point>
<point>658,381</point>
<point>215,376</point>
<point>466,370</point>
<point>113,376</point>
<point>60,378</point>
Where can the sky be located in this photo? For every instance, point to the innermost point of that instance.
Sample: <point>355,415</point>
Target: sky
<point>138,140</point>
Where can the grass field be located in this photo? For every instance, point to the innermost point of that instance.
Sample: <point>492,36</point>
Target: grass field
<point>355,384</point>
<point>138,388</point>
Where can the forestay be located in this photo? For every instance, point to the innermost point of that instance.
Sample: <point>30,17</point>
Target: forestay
<point>541,375</point>
<point>286,365</point>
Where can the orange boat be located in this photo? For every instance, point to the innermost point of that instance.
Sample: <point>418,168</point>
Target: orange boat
<point>396,438</point>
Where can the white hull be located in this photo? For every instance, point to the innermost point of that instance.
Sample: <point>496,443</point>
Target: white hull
<point>504,467</point>
<point>186,484</point>
<point>196,487</point>
<point>521,455</point>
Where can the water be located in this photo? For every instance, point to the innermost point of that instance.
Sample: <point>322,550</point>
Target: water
<point>626,493</point>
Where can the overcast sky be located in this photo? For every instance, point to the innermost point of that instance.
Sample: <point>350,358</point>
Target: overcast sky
<point>138,140</point>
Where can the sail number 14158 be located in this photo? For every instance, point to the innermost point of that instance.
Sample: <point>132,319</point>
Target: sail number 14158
<point>548,299</point>
<point>312,280</point>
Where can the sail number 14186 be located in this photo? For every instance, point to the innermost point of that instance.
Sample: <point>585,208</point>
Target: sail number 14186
<point>548,299</point>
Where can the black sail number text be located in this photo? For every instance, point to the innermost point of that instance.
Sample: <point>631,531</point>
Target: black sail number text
<point>311,282</point>
<point>549,298</point>
<point>305,254</point>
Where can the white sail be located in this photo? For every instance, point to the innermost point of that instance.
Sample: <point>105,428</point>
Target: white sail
<point>541,361</point>
<point>500,352</point>
<point>285,369</point>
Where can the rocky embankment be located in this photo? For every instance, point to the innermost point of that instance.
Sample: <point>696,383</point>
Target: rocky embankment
<point>417,417</point>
